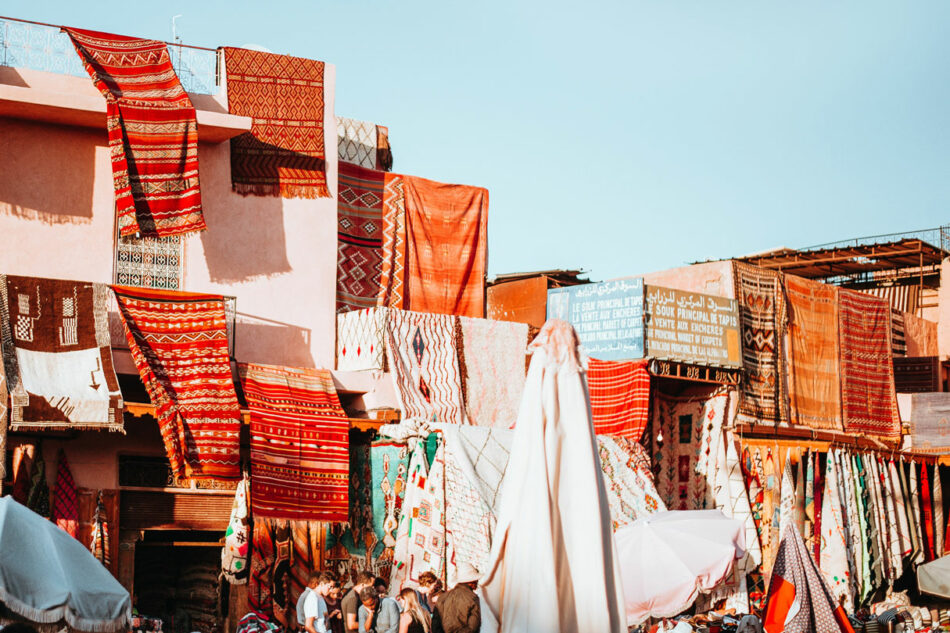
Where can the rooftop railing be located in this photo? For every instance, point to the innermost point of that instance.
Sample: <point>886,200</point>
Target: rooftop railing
<point>45,47</point>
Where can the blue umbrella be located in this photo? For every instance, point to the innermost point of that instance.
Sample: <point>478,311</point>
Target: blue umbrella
<point>47,576</point>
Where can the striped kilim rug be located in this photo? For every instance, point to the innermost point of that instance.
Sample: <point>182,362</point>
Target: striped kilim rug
<point>299,444</point>
<point>179,343</point>
<point>153,133</point>
<point>619,397</point>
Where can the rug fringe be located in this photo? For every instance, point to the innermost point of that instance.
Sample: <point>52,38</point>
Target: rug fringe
<point>39,428</point>
<point>304,191</point>
<point>282,190</point>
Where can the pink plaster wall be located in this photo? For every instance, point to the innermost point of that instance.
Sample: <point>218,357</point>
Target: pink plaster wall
<point>711,278</point>
<point>93,456</point>
<point>56,216</point>
<point>278,257</point>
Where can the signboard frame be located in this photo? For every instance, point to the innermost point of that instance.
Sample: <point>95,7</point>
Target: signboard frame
<point>692,328</point>
<point>608,316</point>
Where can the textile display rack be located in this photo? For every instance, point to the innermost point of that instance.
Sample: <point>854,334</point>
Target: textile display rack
<point>768,431</point>
<point>822,441</point>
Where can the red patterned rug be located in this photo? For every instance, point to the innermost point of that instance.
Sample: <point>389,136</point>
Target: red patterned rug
<point>153,133</point>
<point>868,400</point>
<point>359,237</point>
<point>65,499</point>
<point>299,444</point>
<point>179,343</point>
<point>619,397</point>
<point>284,152</point>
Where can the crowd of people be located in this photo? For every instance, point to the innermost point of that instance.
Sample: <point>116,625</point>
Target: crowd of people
<point>366,607</point>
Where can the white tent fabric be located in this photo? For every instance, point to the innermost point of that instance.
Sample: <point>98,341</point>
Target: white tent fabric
<point>934,577</point>
<point>668,558</point>
<point>553,565</point>
<point>47,576</point>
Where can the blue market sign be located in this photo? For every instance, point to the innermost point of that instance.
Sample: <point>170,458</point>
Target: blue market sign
<point>608,316</point>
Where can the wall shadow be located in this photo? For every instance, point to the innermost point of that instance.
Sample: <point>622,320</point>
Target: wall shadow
<point>49,171</point>
<point>245,237</point>
<point>10,77</point>
<point>262,340</point>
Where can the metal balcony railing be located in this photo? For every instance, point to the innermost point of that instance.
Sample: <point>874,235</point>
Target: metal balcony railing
<point>45,47</point>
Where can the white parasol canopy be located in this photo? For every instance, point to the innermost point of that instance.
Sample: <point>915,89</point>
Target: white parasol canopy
<point>668,558</point>
<point>47,576</point>
<point>934,577</point>
<point>553,565</point>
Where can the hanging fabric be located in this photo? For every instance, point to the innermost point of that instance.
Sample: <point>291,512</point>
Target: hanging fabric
<point>920,555</point>
<point>809,523</point>
<point>100,545</point>
<point>263,554</point>
<point>863,586</point>
<point>234,554</point>
<point>834,552</point>
<point>926,507</point>
<point>420,537</point>
<point>939,525</point>
<point>65,499</point>
<point>38,499</point>
<point>153,133</point>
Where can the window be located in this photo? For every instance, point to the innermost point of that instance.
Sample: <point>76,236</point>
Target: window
<point>149,262</point>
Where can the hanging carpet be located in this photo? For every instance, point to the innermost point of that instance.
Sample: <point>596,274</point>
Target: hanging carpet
<point>283,154</point>
<point>57,354</point>
<point>619,397</point>
<point>153,133</point>
<point>299,444</point>
<point>392,279</point>
<point>356,142</point>
<point>3,410</point>
<point>65,499</point>
<point>869,404</point>
<point>813,388</point>
<point>447,247</point>
<point>179,343</point>
<point>420,537</point>
<point>763,318</point>
<point>423,358</point>
<point>492,361</point>
<point>359,237</point>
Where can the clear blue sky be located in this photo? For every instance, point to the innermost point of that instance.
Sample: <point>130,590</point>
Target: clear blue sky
<point>624,137</point>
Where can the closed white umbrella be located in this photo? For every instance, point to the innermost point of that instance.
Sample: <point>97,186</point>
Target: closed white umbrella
<point>47,576</point>
<point>668,558</point>
<point>553,568</point>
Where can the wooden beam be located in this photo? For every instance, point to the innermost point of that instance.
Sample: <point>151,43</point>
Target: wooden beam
<point>799,261</point>
<point>381,417</point>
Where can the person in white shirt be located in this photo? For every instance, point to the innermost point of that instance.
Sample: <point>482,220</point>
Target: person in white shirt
<point>315,605</point>
<point>312,583</point>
